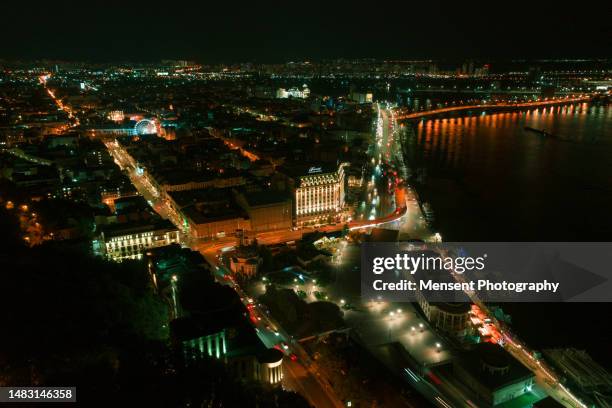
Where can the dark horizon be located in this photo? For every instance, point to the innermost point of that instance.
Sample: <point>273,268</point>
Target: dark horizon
<point>105,32</point>
<point>449,61</point>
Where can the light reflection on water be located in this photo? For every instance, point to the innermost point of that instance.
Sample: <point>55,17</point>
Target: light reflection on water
<point>487,178</point>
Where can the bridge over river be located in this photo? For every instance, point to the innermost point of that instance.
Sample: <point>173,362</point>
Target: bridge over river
<point>491,107</point>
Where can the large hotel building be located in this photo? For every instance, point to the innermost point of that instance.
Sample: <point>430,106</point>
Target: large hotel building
<point>131,240</point>
<point>318,193</point>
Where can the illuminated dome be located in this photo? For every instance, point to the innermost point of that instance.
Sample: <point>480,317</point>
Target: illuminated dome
<point>145,127</point>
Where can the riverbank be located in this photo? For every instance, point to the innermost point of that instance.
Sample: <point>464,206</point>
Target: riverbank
<point>487,179</point>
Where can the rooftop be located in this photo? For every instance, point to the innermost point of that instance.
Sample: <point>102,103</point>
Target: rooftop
<point>263,198</point>
<point>181,176</point>
<point>454,307</point>
<point>134,227</point>
<point>308,169</point>
<point>204,214</point>
<point>201,195</point>
<point>488,354</point>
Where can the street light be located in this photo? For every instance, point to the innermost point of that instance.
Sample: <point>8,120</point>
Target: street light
<point>174,302</point>
<point>421,326</point>
<point>438,346</point>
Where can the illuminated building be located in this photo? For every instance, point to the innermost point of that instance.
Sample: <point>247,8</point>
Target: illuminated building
<point>293,92</point>
<point>355,181</point>
<point>109,196</point>
<point>318,192</point>
<point>143,126</point>
<point>482,71</point>
<point>494,376</point>
<point>448,317</point>
<point>209,212</point>
<point>245,261</point>
<point>244,266</point>
<point>269,367</point>
<point>227,336</point>
<point>184,180</point>
<point>116,116</point>
<point>211,345</point>
<point>361,97</point>
<point>210,223</point>
<point>177,63</point>
<point>131,240</point>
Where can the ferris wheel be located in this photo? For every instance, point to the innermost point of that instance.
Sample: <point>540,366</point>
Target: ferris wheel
<point>145,127</point>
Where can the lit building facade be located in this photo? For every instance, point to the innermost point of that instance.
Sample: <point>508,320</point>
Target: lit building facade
<point>236,345</point>
<point>355,181</point>
<point>109,196</point>
<point>116,116</point>
<point>209,212</point>
<point>212,345</point>
<point>451,318</point>
<point>319,195</point>
<point>270,365</point>
<point>245,261</point>
<point>293,93</point>
<point>130,241</point>
<point>361,97</point>
<point>203,225</point>
<point>265,367</point>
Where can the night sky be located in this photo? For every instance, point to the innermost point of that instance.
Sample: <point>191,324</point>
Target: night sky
<point>234,31</point>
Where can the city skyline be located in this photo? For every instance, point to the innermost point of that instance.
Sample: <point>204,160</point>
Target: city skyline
<point>314,205</point>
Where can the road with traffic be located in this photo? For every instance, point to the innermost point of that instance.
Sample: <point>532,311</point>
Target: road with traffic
<point>406,216</point>
<point>382,199</point>
<point>269,331</point>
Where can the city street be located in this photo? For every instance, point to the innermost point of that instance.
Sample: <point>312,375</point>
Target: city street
<point>300,380</point>
<point>414,222</point>
<point>376,322</point>
<point>259,205</point>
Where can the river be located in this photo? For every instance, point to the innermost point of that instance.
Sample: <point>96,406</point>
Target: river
<point>487,178</point>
